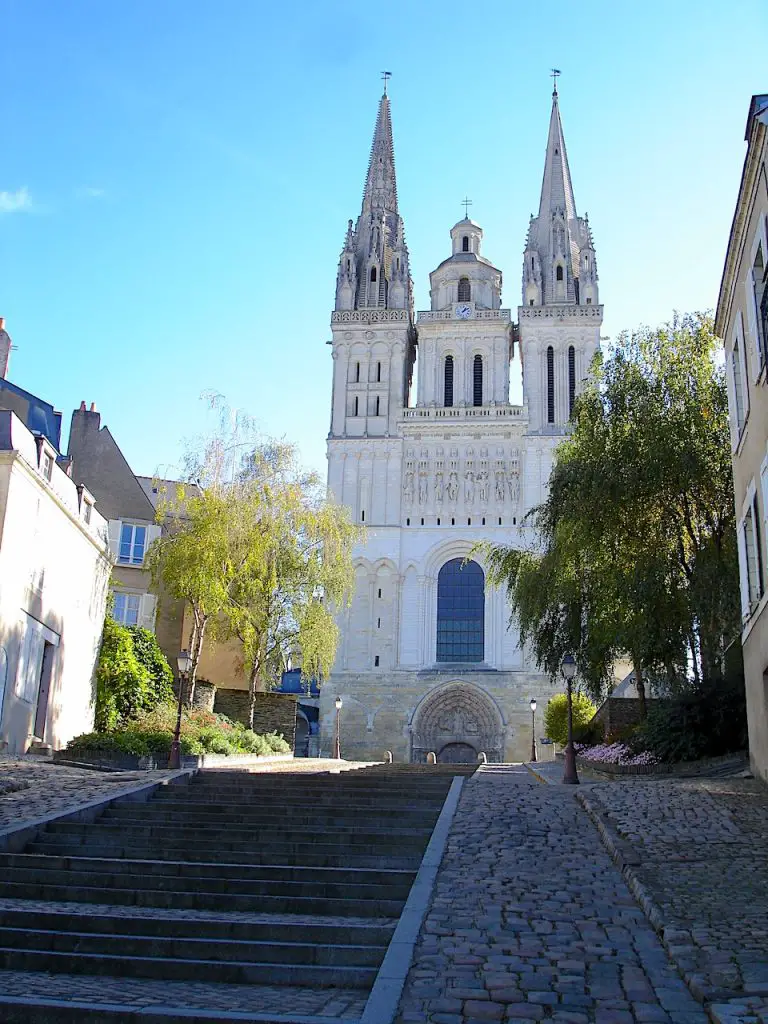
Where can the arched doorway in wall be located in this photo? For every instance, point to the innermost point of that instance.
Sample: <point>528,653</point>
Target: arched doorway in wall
<point>457,721</point>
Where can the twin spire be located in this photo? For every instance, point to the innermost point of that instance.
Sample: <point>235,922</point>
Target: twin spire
<point>559,265</point>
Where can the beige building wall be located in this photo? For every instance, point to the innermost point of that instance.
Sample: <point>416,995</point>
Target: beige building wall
<point>742,323</point>
<point>54,576</point>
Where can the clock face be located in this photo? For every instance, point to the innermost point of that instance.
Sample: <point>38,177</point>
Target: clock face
<point>463,312</point>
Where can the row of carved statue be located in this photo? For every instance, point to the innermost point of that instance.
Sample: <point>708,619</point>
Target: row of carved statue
<point>476,485</point>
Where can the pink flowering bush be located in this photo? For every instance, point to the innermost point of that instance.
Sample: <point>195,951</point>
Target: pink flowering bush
<point>617,753</point>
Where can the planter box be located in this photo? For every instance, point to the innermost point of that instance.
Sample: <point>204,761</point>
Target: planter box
<point>154,762</point>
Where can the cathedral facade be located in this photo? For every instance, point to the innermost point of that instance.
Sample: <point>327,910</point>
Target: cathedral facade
<point>428,659</point>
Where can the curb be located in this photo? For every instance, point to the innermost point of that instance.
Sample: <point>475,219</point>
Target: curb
<point>384,998</point>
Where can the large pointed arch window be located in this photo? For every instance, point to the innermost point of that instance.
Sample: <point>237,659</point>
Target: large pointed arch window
<point>448,381</point>
<point>465,291</point>
<point>571,379</point>
<point>477,381</point>
<point>550,384</point>
<point>460,612</point>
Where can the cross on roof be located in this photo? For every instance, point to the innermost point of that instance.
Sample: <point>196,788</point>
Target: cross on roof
<point>386,75</point>
<point>466,203</point>
<point>554,75</point>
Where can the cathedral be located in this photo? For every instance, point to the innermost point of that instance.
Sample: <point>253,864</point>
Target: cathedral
<point>428,659</point>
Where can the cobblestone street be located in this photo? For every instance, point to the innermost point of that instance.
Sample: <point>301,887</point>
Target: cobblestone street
<point>531,920</point>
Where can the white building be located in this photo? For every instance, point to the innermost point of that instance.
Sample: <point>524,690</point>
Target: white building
<point>427,660</point>
<point>54,577</point>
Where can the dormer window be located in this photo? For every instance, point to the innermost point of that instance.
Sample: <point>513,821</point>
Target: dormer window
<point>465,244</point>
<point>559,273</point>
<point>465,292</point>
<point>47,466</point>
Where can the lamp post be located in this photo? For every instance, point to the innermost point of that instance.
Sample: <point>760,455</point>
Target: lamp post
<point>336,738</point>
<point>184,664</point>
<point>533,730</point>
<point>570,775</point>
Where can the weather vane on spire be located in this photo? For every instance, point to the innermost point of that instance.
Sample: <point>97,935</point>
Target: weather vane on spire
<point>466,203</point>
<point>554,76</point>
<point>386,75</point>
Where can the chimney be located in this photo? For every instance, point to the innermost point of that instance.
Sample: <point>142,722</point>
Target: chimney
<point>5,349</point>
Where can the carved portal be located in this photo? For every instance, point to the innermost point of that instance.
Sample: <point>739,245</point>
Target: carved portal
<point>457,720</point>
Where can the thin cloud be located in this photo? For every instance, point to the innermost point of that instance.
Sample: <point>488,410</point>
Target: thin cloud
<point>88,192</point>
<point>19,201</point>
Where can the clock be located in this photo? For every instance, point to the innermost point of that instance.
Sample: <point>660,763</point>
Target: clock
<point>463,312</point>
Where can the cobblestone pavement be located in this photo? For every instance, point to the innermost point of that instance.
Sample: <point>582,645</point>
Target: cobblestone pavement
<point>700,854</point>
<point>531,920</point>
<point>140,992</point>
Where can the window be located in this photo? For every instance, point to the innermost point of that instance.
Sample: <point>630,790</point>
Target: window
<point>738,383</point>
<point>378,623</point>
<point>357,406</point>
<point>407,522</point>
<point>47,466</point>
<point>378,404</point>
<point>376,661</point>
<point>448,381</point>
<point>357,373</point>
<point>465,292</point>
<point>477,381</point>
<point>571,379</point>
<point>460,612</point>
<point>37,641</point>
<point>438,520</point>
<point>362,516</point>
<point>133,541</point>
<point>550,384</point>
<point>373,273</point>
<point>759,304</point>
<point>126,608</point>
<point>379,591</point>
<point>753,553</point>
<point>87,510</point>
<point>465,244</point>
<point>559,273</point>
<point>589,302</point>
<point>378,373</point>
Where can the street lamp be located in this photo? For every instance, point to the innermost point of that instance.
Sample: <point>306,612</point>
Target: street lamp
<point>184,664</point>
<point>570,775</point>
<point>533,730</point>
<point>336,740</point>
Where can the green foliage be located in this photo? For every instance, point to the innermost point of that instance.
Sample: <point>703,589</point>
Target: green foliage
<point>707,720</point>
<point>202,732</point>
<point>635,547</point>
<point>589,735</point>
<point>122,682</point>
<point>148,653</point>
<point>556,715</point>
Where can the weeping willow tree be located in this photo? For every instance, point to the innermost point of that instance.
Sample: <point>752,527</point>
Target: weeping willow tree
<point>633,550</point>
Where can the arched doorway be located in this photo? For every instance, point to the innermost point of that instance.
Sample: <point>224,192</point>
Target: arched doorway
<point>454,720</point>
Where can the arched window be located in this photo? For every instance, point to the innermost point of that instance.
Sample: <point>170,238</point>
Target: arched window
<point>373,273</point>
<point>448,381</point>
<point>465,292</point>
<point>465,244</point>
<point>558,274</point>
<point>460,611</point>
<point>550,385</point>
<point>477,381</point>
<point>378,373</point>
<point>571,379</point>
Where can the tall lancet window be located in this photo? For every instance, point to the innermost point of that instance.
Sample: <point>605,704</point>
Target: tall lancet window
<point>571,379</point>
<point>465,292</point>
<point>550,385</point>
<point>477,381</point>
<point>465,244</point>
<point>373,289</point>
<point>448,381</point>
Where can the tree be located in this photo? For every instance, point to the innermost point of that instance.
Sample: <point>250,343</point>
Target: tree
<point>634,546</point>
<point>556,715</point>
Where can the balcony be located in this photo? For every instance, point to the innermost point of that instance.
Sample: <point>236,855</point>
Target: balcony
<point>431,315</point>
<point>470,412</point>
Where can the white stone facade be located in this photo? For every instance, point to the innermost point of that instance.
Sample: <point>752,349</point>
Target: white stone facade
<point>461,465</point>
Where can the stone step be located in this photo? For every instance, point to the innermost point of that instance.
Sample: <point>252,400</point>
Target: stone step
<point>232,972</point>
<point>307,854</point>
<point>196,949</point>
<point>403,838</point>
<point>183,798</point>
<point>191,927</point>
<point>202,869</point>
<point>198,899</point>
<point>253,815</point>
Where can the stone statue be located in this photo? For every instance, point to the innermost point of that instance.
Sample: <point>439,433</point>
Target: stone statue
<point>499,485</point>
<point>469,487</point>
<point>482,481</point>
<point>439,485</point>
<point>453,487</point>
<point>423,488</point>
<point>408,487</point>
<point>514,488</point>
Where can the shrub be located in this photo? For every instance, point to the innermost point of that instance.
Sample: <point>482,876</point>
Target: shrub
<point>277,743</point>
<point>122,682</point>
<point>706,720</point>
<point>591,734</point>
<point>148,653</point>
<point>556,715</point>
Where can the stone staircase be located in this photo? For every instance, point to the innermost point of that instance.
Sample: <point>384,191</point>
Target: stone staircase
<point>236,893</point>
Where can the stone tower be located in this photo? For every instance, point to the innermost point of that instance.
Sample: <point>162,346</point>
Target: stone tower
<point>560,316</point>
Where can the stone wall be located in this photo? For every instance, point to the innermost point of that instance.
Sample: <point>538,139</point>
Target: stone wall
<point>274,712</point>
<point>618,713</point>
<point>205,695</point>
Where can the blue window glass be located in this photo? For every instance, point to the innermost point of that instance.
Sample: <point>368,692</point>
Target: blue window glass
<point>460,612</point>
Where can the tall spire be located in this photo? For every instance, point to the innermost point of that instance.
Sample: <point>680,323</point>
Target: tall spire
<point>374,269</point>
<point>556,186</point>
<point>559,266</point>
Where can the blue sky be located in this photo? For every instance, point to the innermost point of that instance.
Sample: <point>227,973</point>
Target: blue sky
<point>176,179</point>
